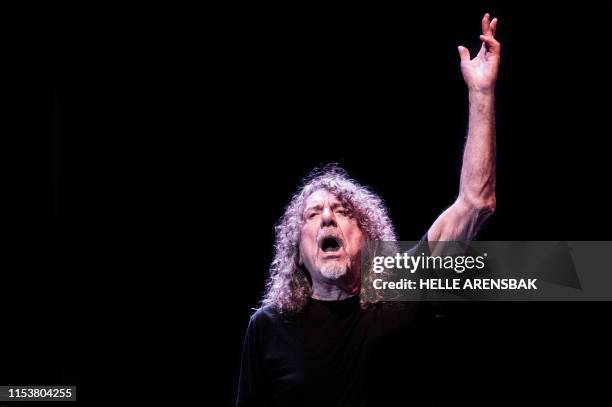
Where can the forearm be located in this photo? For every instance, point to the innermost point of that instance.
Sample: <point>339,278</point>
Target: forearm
<point>477,184</point>
<point>476,200</point>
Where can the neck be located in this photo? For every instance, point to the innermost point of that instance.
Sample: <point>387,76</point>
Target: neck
<point>323,290</point>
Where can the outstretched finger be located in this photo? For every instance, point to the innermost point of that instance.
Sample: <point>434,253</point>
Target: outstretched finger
<point>493,26</point>
<point>486,25</point>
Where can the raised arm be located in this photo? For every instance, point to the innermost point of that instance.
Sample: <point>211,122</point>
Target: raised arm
<point>476,199</point>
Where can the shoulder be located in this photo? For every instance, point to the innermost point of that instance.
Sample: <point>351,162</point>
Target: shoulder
<point>264,316</point>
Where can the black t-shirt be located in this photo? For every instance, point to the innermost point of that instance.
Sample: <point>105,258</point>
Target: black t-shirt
<point>335,353</point>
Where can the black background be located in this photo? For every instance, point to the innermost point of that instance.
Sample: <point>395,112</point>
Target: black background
<point>157,149</point>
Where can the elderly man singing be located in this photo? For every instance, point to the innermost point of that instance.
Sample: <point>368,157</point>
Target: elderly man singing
<point>315,341</point>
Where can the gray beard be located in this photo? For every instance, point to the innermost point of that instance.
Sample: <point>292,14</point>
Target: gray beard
<point>333,272</point>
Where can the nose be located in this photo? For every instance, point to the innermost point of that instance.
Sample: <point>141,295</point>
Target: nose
<point>327,218</point>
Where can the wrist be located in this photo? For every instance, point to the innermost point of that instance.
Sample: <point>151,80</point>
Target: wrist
<point>481,97</point>
<point>482,92</point>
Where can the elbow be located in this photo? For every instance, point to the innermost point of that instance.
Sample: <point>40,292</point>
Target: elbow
<point>483,206</point>
<point>487,206</point>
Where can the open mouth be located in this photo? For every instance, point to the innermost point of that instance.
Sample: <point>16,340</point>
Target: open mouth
<point>330,244</point>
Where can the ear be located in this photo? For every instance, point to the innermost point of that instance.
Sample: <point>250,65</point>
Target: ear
<point>300,260</point>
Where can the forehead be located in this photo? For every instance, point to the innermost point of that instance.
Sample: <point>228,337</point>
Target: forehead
<point>321,197</point>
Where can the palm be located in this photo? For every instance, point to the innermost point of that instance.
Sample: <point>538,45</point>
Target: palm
<point>480,73</point>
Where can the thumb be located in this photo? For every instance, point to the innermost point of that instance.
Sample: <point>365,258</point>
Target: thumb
<point>464,53</point>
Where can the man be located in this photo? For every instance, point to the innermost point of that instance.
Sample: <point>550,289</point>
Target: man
<point>314,342</point>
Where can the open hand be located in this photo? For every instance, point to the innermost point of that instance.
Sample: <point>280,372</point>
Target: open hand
<point>480,73</point>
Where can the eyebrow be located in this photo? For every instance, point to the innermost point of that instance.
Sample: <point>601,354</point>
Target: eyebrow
<point>335,205</point>
<point>313,207</point>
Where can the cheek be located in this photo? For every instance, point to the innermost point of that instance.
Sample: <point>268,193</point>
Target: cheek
<point>355,237</point>
<point>307,240</point>
<point>357,241</point>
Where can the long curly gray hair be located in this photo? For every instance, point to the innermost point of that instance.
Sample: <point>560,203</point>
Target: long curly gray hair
<point>288,286</point>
